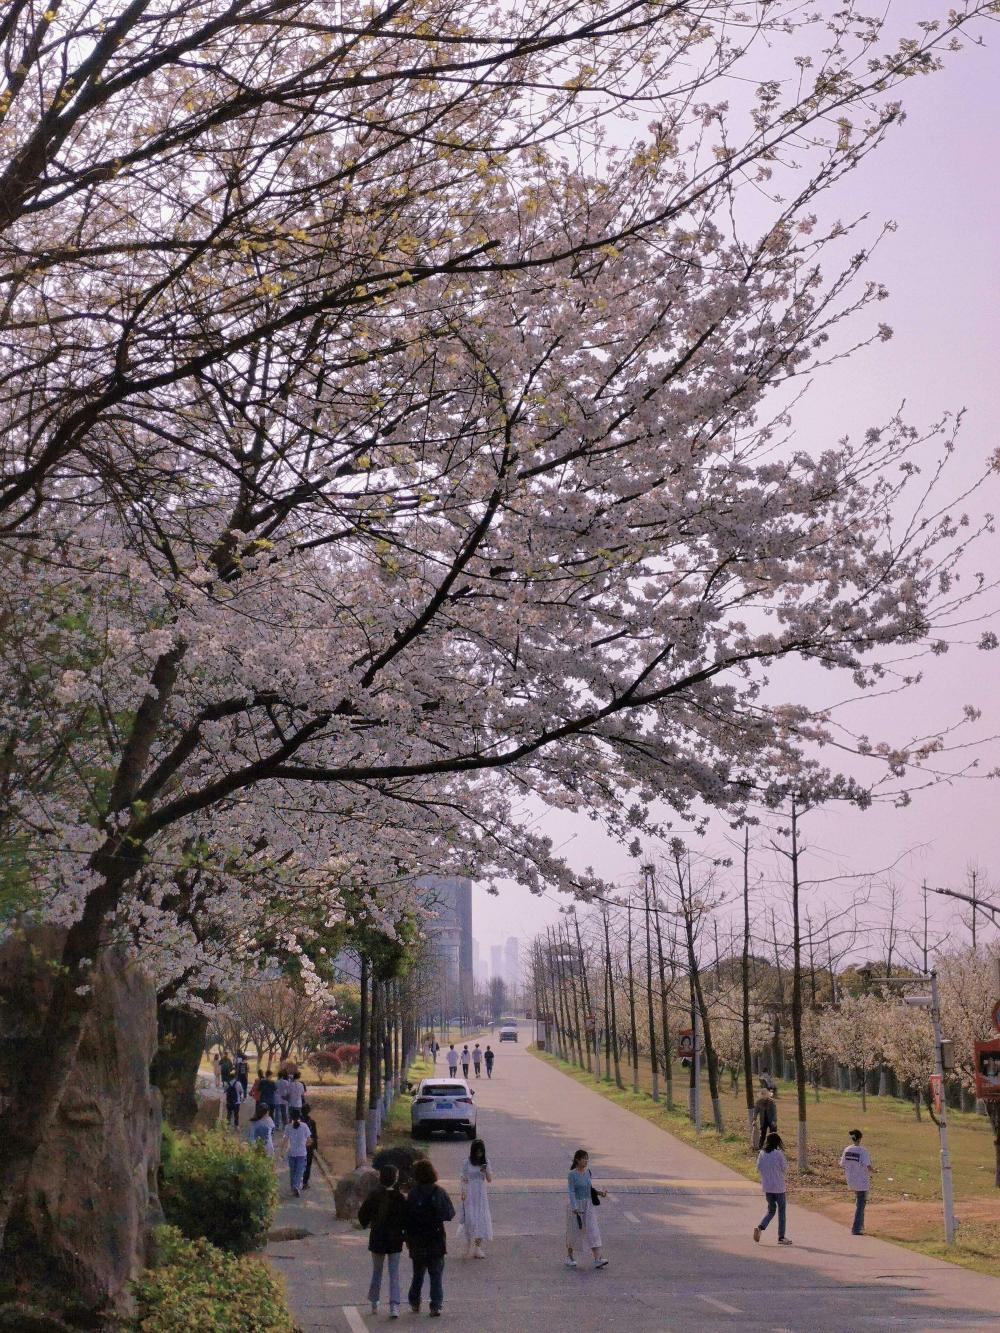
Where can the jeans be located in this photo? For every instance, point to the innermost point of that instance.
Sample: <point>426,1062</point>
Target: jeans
<point>280,1115</point>
<point>489,1069</point>
<point>296,1170</point>
<point>376,1283</point>
<point>775,1203</point>
<point>233,1116</point>
<point>860,1199</point>
<point>433,1265</point>
<point>476,1068</point>
<point>309,1166</point>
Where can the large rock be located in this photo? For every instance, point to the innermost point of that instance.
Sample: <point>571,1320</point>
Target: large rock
<point>80,1231</point>
<point>352,1190</point>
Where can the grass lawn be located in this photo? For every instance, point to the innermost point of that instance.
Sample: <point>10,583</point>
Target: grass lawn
<point>904,1204</point>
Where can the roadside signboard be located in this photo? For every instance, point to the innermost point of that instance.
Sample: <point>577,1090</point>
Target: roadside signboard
<point>988,1070</point>
<point>685,1043</point>
<point>936,1092</point>
<point>590,1023</point>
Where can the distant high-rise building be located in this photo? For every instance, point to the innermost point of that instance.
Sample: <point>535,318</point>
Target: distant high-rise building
<point>448,898</point>
<point>512,963</point>
<point>496,960</point>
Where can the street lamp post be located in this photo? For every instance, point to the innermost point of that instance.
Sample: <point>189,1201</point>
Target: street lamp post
<point>932,1002</point>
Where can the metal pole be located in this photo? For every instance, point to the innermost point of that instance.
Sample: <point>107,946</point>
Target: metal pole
<point>696,1034</point>
<point>947,1197</point>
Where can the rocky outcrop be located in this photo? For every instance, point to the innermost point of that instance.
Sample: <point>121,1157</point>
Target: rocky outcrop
<point>352,1190</point>
<point>80,1231</point>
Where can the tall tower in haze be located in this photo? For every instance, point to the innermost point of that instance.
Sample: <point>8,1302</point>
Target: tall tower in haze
<point>512,964</point>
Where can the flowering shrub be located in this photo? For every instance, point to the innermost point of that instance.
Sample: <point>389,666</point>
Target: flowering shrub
<point>218,1188</point>
<point>347,1053</point>
<point>327,1062</point>
<point>195,1286</point>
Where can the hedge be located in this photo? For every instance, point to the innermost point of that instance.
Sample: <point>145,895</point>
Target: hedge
<point>217,1187</point>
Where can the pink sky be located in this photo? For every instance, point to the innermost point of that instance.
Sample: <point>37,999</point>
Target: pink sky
<point>937,176</point>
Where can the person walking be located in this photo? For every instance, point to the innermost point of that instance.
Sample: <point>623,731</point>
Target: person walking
<point>857,1164</point>
<point>267,1091</point>
<point>281,1099</point>
<point>217,1070</point>
<point>234,1100</point>
<point>765,1117</point>
<point>307,1119</point>
<point>428,1207</point>
<point>766,1081</point>
<point>226,1067</point>
<point>581,1215</point>
<point>298,1139</point>
<point>477,1058</point>
<point>772,1165</point>
<point>488,1061</point>
<point>296,1092</point>
<point>452,1061</point>
<point>243,1070</point>
<point>466,1057</point>
<point>384,1211</point>
<point>262,1129</point>
<point>477,1220</point>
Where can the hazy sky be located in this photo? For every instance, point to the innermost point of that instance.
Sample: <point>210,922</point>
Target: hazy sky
<point>938,178</point>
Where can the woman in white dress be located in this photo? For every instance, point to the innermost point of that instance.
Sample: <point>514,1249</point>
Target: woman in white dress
<point>476,1217</point>
<point>581,1216</point>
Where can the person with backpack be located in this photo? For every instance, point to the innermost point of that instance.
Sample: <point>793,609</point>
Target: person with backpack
<point>384,1211</point>
<point>765,1117</point>
<point>428,1207</point>
<point>772,1165</point>
<point>488,1058</point>
<point>857,1164</point>
<point>581,1215</point>
<point>234,1100</point>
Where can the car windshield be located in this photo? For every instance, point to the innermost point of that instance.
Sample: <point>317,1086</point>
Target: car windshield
<point>442,1090</point>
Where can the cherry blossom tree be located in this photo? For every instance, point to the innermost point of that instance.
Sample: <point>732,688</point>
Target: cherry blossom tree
<point>381,442</point>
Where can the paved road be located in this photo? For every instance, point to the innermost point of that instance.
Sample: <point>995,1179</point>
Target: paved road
<point>677,1229</point>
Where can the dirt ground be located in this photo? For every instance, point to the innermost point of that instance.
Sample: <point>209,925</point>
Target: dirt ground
<point>333,1111</point>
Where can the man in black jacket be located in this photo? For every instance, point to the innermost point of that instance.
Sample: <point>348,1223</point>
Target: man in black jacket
<point>384,1211</point>
<point>427,1209</point>
<point>307,1118</point>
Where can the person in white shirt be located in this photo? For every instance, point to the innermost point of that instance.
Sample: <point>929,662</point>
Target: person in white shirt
<point>772,1165</point>
<point>452,1061</point>
<point>296,1093</point>
<point>299,1139</point>
<point>281,1101</point>
<point>858,1167</point>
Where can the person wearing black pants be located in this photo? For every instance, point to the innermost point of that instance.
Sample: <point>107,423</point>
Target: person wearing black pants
<point>428,1207</point>
<point>308,1120</point>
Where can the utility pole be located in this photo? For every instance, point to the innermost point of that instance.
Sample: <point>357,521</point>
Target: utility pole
<point>942,1049</point>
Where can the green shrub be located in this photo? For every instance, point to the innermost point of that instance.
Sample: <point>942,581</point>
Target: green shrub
<point>218,1187</point>
<point>195,1288</point>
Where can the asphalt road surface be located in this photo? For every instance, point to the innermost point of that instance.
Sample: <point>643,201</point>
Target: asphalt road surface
<point>677,1230</point>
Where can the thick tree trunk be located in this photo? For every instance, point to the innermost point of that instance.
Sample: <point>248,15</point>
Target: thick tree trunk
<point>79,1223</point>
<point>360,1143</point>
<point>181,1035</point>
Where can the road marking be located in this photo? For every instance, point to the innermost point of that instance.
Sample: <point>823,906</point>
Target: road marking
<point>720,1305</point>
<point>631,1217</point>
<point>354,1321</point>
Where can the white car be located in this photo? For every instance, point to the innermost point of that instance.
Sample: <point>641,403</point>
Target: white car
<point>508,1032</point>
<point>443,1103</point>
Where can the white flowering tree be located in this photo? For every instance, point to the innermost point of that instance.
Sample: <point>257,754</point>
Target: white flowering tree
<point>968,980</point>
<point>381,444</point>
<point>856,1036</point>
<point>909,1049</point>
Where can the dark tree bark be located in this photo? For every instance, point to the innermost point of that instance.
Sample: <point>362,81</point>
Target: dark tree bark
<point>181,1035</point>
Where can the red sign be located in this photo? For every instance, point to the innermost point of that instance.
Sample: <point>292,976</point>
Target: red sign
<point>936,1082</point>
<point>589,1022</point>
<point>996,1015</point>
<point>988,1070</point>
<point>685,1043</point>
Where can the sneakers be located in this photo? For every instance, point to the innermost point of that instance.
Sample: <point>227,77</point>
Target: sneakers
<point>297,1193</point>
<point>570,1263</point>
<point>601,1263</point>
<point>374,1307</point>
<point>756,1234</point>
<point>435,1314</point>
<point>478,1253</point>
<point>415,1306</point>
<point>783,1240</point>
<point>393,1311</point>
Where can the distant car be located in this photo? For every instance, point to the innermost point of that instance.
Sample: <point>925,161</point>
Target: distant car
<point>443,1103</point>
<point>508,1032</point>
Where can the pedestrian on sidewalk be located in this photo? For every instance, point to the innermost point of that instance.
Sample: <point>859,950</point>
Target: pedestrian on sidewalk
<point>477,1058</point>
<point>384,1210</point>
<point>296,1092</point>
<point>307,1119</point>
<point>262,1129</point>
<point>427,1209</point>
<point>465,1061</point>
<point>452,1061</point>
<point>476,1218</point>
<point>281,1099</point>
<point>234,1100</point>
<point>488,1060</point>
<point>581,1214</point>
<point>298,1139</point>
<point>772,1165</point>
<point>435,1047</point>
<point>217,1070</point>
<point>243,1070</point>
<point>267,1091</point>
<point>766,1081</point>
<point>226,1067</point>
<point>857,1164</point>
<point>765,1117</point>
